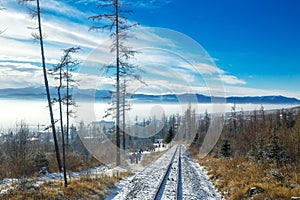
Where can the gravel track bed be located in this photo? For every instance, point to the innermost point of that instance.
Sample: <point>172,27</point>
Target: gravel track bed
<point>195,184</point>
<point>171,183</point>
<point>191,184</point>
<point>144,185</point>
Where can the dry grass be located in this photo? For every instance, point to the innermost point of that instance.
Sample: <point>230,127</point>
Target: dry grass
<point>74,162</point>
<point>82,188</point>
<point>233,177</point>
<point>149,158</point>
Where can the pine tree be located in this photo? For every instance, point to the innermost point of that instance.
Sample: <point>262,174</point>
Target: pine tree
<point>294,141</point>
<point>225,150</point>
<point>275,151</point>
<point>258,152</point>
<point>170,135</point>
<point>206,121</point>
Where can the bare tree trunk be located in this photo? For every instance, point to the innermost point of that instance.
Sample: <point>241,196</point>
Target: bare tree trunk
<point>62,127</point>
<point>117,27</point>
<point>124,126</point>
<point>67,132</point>
<point>118,159</point>
<point>47,87</point>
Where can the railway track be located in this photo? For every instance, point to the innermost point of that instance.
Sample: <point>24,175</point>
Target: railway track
<point>169,186</point>
<point>173,176</point>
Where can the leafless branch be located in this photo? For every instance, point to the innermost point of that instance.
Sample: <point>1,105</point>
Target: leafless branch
<point>35,36</point>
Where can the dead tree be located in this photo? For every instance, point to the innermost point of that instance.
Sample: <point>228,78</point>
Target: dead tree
<point>118,26</point>
<point>70,66</point>
<point>36,13</point>
<point>61,72</point>
<point>234,119</point>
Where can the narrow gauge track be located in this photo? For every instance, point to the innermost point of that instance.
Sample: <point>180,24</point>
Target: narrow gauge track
<point>145,184</point>
<point>173,176</point>
<point>169,187</point>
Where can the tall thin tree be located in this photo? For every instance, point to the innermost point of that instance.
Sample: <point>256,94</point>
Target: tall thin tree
<point>61,72</point>
<point>124,114</point>
<point>71,65</point>
<point>39,36</point>
<point>118,26</point>
<point>62,124</point>
<point>124,106</point>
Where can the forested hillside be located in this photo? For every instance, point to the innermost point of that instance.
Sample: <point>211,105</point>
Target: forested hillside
<point>257,156</point>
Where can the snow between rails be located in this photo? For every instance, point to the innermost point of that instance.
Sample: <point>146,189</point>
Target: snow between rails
<point>194,184</point>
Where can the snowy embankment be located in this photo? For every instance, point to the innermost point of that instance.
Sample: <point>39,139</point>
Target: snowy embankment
<point>195,183</point>
<point>167,179</point>
<point>10,184</point>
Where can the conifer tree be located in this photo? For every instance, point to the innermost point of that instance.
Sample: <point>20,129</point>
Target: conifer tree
<point>225,150</point>
<point>275,151</point>
<point>170,135</point>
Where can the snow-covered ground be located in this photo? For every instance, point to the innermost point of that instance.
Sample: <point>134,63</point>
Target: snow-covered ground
<point>193,182</point>
<point>171,182</point>
<point>139,167</point>
<point>143,185</point>
<point>9,184</point>
<point>178,174</point>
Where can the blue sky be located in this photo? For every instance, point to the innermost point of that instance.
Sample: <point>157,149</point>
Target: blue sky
<point>254,45</point>
<point>256,40</point>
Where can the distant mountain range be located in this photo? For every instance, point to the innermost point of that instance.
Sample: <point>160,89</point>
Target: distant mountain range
<point>106,95</point>
<point>206,99</point>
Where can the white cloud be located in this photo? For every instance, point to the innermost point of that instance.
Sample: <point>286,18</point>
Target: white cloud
<point>170,62</point>
<point>56,30</point>
<point>134,3</point>
<point>202,68</point>
<point>232,80</point>
<point>17,45</point>
<point>19,75</point>
<point>246,91</point>
<point>88,81</point>
<point>148,4</point>
<point>63,9</point>
<point>85,1</point>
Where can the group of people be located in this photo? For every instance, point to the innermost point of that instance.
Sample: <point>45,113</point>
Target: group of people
<point>135,157</point>
<point>156,145</point>
<point>151,149</point>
